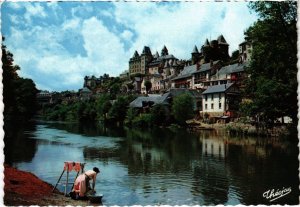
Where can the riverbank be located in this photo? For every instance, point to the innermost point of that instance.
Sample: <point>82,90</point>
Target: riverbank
<point>24,188</point>
<point>239,128</point>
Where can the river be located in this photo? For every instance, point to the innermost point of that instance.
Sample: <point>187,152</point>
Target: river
<point>161,166</point>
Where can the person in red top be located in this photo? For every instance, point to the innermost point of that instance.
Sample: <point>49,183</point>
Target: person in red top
<point>82,182</point>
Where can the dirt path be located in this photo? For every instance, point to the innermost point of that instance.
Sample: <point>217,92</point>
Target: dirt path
<point>24,188</point>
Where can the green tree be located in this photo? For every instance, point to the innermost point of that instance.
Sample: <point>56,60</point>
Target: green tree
<point>119,109</point>
<point>103,105</point>
<point>130,86</point>
<point>160,114</point>
<point>114,90</point>
<point>130,115</point>
<point>182,108</point>
<point>148,85</point>
<point>234,56</point>
<point>272,85</point>
<point>19,94</point>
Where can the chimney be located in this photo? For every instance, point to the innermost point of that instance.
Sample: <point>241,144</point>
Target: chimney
<point>197,66</point>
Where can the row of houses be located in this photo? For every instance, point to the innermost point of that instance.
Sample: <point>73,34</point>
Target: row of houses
<point>207,76</point>
<point>215,85</point>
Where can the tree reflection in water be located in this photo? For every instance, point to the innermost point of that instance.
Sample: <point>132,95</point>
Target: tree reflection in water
<point>208,167</point>
<point>18,143</point>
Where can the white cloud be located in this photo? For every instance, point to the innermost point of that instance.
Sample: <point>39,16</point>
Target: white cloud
<point>183,25</point>
<point>103,47</point>
<point>82,10</point>
<point>14,5</point>
<point>71,24</point>
<point>34,10</point>
<point>107,13</point>
<point>127,35</point>
<point>43,56</point>
<point>15,19</point>
<point>51,66</point>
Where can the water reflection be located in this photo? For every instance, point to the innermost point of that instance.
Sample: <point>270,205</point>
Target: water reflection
<point>15,138</point>
<point>164,166</point>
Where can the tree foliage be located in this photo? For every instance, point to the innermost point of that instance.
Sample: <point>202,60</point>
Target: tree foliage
<point>182,108</point>
<point>148,85</point>
<point>103,105</point>
<point>160,115</point>
<point>234,57</point>
<point>272,85</point>
<point>19,94</point>
<point>118,110</point>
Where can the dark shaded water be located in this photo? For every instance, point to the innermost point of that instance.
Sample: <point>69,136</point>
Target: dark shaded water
<point>162,166</point>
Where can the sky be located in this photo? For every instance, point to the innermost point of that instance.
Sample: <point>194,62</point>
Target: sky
<point>58,43</point>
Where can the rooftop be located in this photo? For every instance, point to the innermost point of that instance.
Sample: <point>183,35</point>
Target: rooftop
<point>217,88</point>
<point>234,68</point>
<point>206,66</point>
<point>187,72</point>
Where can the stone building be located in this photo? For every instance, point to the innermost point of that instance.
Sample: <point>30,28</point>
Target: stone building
<point>245,50</point>
<point>220,100</point>
<point>138,64</point>
<point>158,69</point>
<point>147,63</point>
<point>215,50</point>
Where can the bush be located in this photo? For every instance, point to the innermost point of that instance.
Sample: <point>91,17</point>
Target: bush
<point>160,115</point>
<point>143,121</point>
<point>182,108</point>
<point>130,116</point>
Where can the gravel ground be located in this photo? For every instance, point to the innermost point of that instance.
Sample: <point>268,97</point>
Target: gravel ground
<point>24,188</point>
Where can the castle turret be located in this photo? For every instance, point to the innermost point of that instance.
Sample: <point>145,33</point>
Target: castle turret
<point>164,51</point>
<point>195,55</point>
<point>223,47</point>
<point>146,57</point>
<point>146,51</point>
<point>206,48</point>
<point>135,55</point>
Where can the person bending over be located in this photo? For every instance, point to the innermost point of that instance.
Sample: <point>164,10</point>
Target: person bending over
<point>82,182</point>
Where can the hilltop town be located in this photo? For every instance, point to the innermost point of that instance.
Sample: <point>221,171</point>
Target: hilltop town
<point>210,76</point>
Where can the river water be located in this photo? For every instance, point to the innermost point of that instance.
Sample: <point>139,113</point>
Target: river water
<point>162,166</point>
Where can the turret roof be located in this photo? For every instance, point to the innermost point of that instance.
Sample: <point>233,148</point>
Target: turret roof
<point>206,43</point>
<point>164,51</point>
<point>195,50</point>
<point>136,54</point>
<point>221,40</point>
<point>146,50</point>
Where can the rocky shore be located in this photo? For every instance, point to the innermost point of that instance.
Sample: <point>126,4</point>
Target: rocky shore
<point>24,188</point>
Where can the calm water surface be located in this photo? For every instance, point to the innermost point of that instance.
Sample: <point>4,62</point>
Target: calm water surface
<point>161,166</point>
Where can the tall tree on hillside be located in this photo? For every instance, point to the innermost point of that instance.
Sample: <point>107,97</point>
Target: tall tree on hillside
<point>19,94</point>
<point>272,85</point>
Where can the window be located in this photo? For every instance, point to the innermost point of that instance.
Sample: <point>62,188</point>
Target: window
<point>212,96</point>
<point>220,105</point>
<point>212,106</point>
<point>206,106</point>
<point>220,96</point>
<point>205,97</point>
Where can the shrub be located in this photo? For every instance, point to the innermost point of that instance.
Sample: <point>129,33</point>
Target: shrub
<point>143,121</point>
